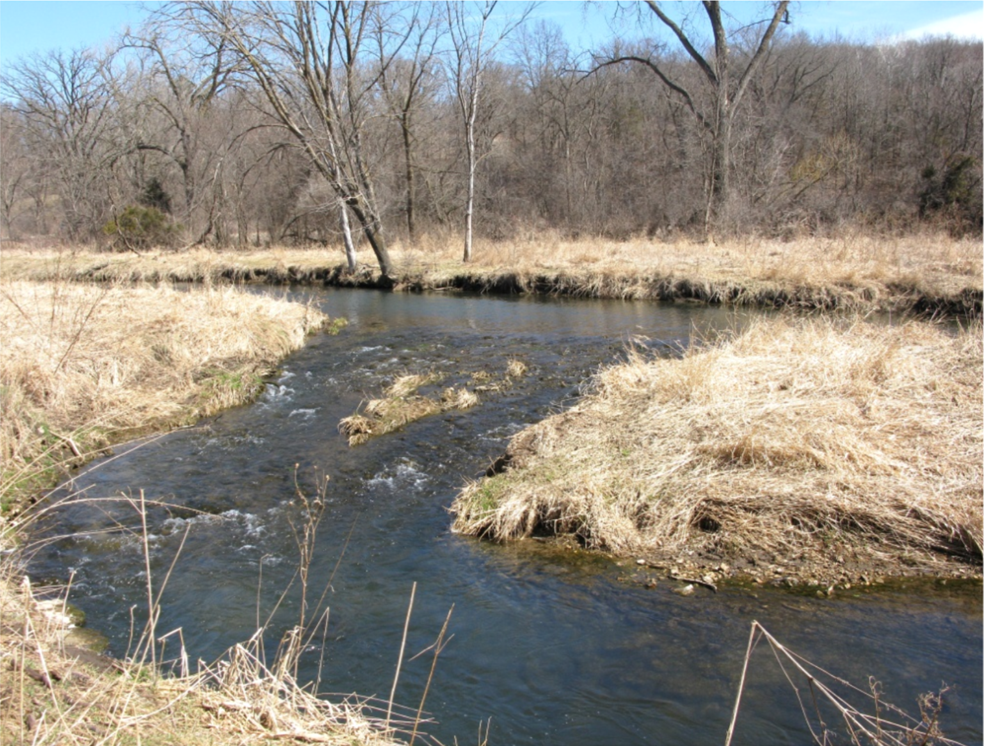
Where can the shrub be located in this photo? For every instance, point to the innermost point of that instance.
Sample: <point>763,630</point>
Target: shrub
<point>953,195</point>
<point>139,226</point>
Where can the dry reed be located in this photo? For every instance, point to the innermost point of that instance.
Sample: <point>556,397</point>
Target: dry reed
<point>815,450</point>
<point>84,365</point>
<point>824,699</point>
<point>53,692</point>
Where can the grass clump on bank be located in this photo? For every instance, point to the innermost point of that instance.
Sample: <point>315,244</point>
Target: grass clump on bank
<point>799,450</point>
<point>83,365</point>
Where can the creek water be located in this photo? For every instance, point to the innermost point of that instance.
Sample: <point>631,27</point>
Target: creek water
<point>551,646</point>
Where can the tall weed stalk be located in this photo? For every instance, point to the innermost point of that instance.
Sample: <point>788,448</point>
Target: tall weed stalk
<point>818,691</point>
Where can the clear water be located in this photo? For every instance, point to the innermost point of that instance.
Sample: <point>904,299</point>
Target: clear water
<point>552,646</point>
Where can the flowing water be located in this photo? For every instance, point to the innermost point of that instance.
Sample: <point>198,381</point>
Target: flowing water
<point>553,646</point>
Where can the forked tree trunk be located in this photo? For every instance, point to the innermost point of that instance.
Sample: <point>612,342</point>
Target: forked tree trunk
<point>727,97</point>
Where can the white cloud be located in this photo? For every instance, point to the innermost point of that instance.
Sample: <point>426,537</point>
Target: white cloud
<point>965,26</point>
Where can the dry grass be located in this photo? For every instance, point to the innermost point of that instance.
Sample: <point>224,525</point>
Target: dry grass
<point>53,693</point>
<point>856,270</point>
<point>816,449</point>
<point>401,405</point>
<point>83,365</point>
<point>868,720</point>
<point>516,368</point>
<point>925,272</point>
<point>406,385</point>
<point>458,398</point>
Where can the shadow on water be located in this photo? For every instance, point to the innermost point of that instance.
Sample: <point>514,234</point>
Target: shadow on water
<point>549,644</point>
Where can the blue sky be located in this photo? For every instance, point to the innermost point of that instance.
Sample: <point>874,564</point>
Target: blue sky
<point>27,26</point>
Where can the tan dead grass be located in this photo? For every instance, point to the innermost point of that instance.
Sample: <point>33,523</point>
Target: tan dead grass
<point>806,445</point>
<point>847,271</point>
<point>401,405</point>
<point>458,398</point>
<point>516,368</point>
<point>485,382</point>
<point>406,385</point>
<point>85,365</point>
<point>864,270</point>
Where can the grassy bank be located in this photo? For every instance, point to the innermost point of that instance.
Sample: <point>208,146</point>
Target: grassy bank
<point>83,366</point>
<point>800,451</point>
<point>924,273</point>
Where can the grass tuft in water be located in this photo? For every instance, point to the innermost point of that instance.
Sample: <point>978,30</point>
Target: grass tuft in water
<point>401,405</point>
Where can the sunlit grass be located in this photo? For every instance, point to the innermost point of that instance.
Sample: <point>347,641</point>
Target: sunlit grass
<point>85,365</point>
<point>796,442</point>
<point>851,270</point>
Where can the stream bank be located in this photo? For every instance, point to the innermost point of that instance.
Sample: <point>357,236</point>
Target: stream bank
<point>86,366</point>
<point>923,275</point>
<point>800,452</point>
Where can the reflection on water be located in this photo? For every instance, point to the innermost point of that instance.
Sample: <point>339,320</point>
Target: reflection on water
<point>548,644</point>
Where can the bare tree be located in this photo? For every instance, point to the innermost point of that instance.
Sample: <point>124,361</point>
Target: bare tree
<point>727,90</point>
<point>470,56</point>
<point>561,110</point>
<point>183,84</point>
<point>68,112</point>
<point>408,85</point>
<point>283,121</point>
<point>308,61</point>
<point>15,168</point>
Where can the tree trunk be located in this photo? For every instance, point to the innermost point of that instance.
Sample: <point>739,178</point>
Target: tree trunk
<point>374,234</point>
<point>408,165</point>
<point>721,133</point>
<point>721,189</point>
<point>347,238</point>
<point>470,203</point>
<point>472,165</point>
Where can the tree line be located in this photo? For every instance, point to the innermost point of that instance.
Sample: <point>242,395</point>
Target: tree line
<point>240,124</point>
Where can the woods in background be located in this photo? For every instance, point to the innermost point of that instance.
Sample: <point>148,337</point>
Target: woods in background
<point>239,124</point>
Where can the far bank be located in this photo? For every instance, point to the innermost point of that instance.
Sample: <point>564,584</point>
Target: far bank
<point>929,275</point>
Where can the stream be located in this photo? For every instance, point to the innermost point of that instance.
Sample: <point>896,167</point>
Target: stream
<point>549,645</point>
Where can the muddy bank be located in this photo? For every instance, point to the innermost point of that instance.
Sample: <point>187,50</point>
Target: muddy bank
<point>801,453</point>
